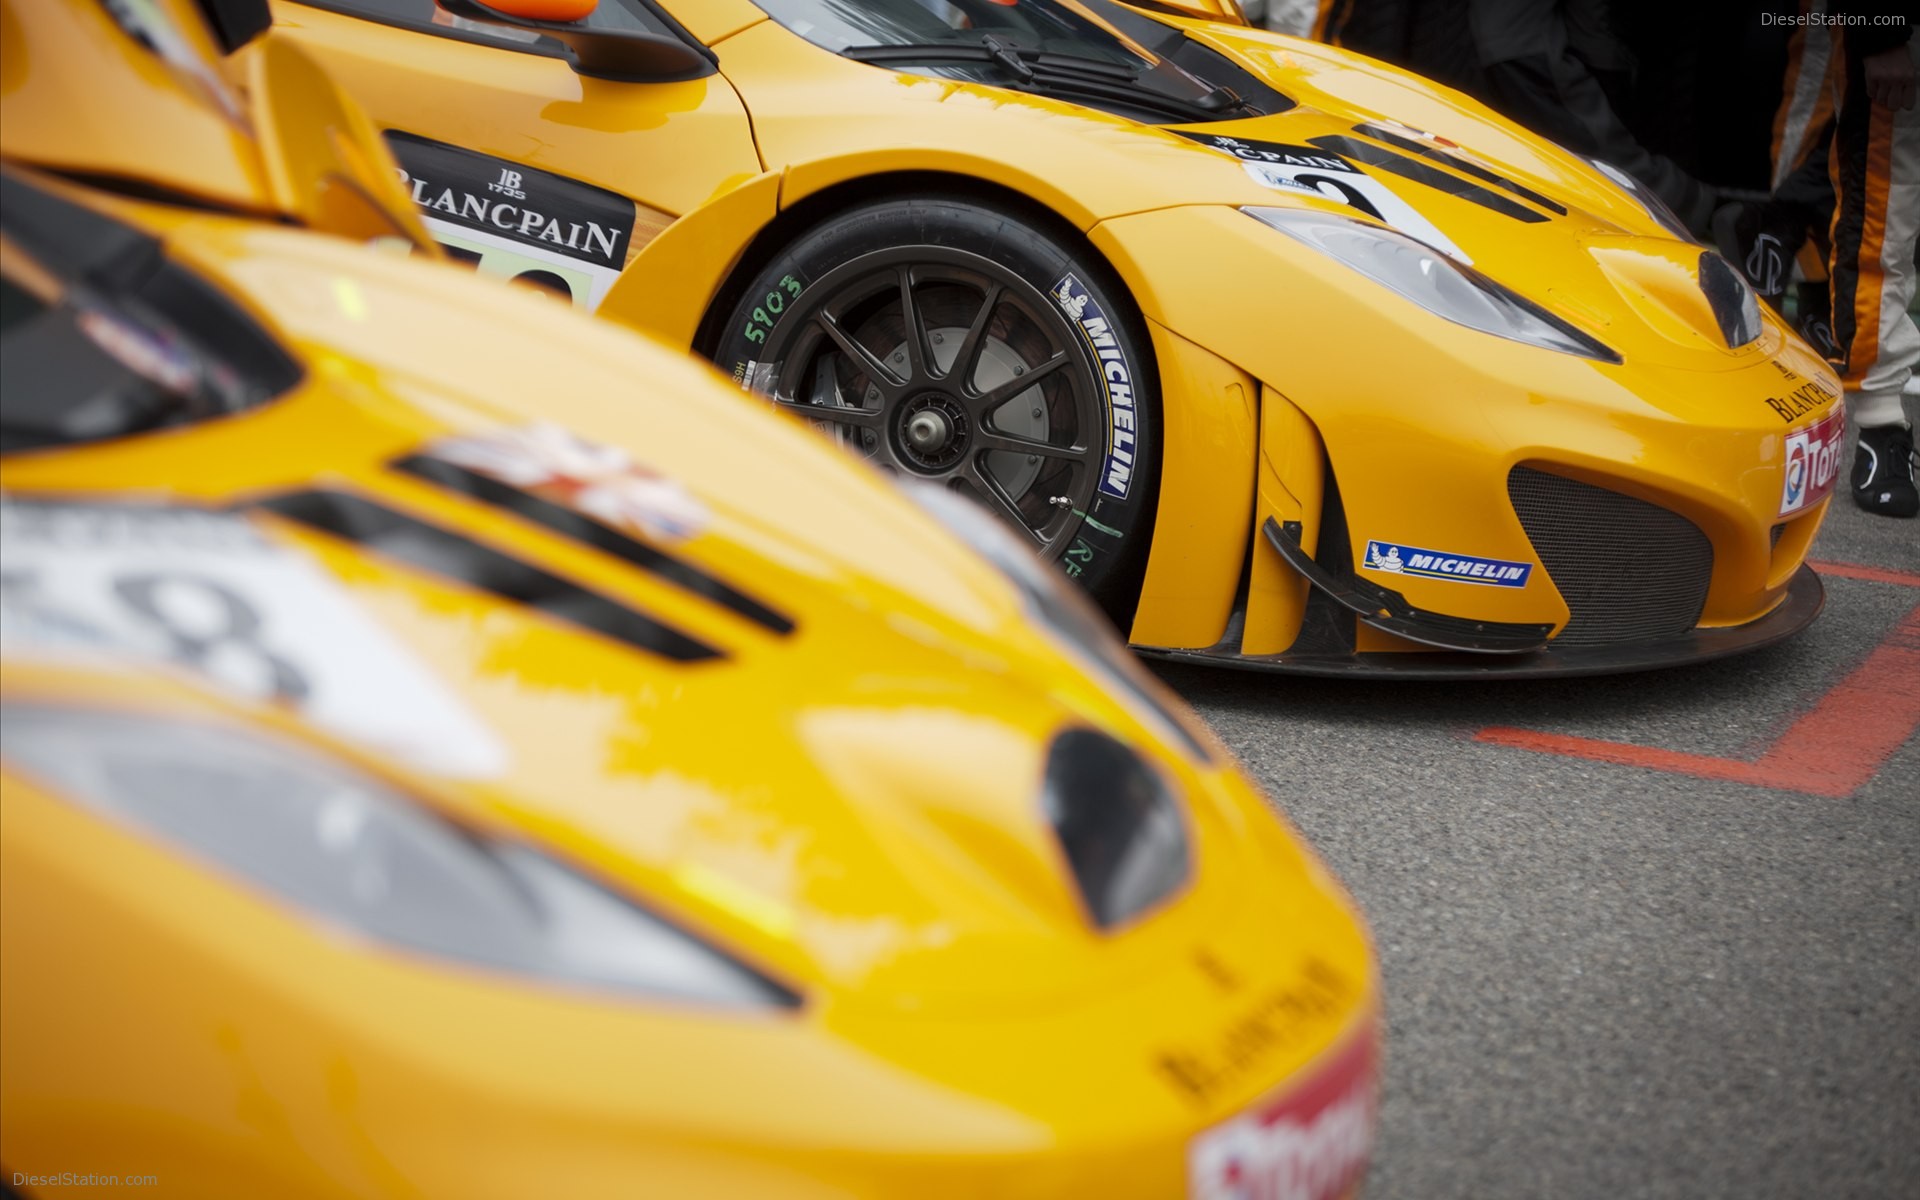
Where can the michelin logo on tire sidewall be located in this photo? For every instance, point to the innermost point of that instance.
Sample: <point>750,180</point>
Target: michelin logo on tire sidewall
<point>1116,377</point>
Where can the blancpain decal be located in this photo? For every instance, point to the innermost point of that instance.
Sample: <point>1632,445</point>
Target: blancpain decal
<point>1813,464</point>
<point>528,225</point>
<point>209,593</point>
<point>1390,558</point>
<point>1331,177</point>
<point>1811,396</point>
<point>508,185</point>
<point>1116,374</point>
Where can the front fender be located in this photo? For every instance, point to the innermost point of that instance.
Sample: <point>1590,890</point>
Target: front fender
<point>1423,420</point>
<point>666,290</point>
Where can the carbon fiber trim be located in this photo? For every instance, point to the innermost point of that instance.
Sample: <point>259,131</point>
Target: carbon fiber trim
<point>1384,608</point>
<point>1804,599</point>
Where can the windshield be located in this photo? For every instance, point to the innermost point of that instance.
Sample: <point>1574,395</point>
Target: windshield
<point>1050,26</point>
<point>102,336</point>
<point>1092,52</point>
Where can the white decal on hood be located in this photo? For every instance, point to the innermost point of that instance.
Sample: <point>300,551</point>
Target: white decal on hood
<point>206,591</point>
<point>1331,177</point>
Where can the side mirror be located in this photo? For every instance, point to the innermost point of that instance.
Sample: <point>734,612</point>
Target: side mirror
<point>548,10</point>
<point>628,56</point>
<point>234,23</point>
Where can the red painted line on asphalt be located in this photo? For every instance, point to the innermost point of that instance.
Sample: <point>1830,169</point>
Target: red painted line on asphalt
<point>1861,571</point>
<point>1831,751</point>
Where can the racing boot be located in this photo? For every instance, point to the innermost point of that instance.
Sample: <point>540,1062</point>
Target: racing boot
<point>1883,471</point>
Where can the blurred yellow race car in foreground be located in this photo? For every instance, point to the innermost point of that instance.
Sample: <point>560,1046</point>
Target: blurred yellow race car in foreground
<point>1295,360</point>
<point>452,748</point>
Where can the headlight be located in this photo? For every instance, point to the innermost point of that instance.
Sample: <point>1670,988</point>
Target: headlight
<point>1647,198</point>
<point>1056,606</point>
<point>1118,825</point>
<point>345,848</point>
<point>1432,280</point>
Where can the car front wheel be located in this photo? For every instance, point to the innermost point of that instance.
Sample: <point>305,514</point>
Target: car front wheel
<point>952,342</point>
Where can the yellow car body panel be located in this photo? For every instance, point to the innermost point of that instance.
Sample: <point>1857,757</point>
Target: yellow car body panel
<point>697,253</point>
<point>1404,407</point>
<point>1704,442</point>
<point>64,66</point>
<point>535,109</point>
<point>1207,488</point>
<point>964,1034</point>
<point>269,135</point>
<point>1291,487</point>
<point>845,794</point>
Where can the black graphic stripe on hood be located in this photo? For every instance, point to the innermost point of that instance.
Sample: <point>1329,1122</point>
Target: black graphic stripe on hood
<point>579,527</point>
<point>446,553</point>
<point>1463,165</point>
<point>1409,168</point>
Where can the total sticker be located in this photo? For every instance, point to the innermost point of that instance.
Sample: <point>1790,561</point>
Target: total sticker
<point>1311,1143</point>
<point>1813,463</point>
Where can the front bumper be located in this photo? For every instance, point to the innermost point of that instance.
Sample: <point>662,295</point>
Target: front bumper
<point>1638,511</point>
<point>1804,599</point>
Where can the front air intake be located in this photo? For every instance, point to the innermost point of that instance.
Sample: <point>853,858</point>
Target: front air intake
<point>1630,571</point>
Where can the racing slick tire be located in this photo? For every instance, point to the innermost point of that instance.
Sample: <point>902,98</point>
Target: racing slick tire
<point>1070,458</point>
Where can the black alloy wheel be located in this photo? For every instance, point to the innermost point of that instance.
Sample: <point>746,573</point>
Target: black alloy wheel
<point>937,364</point>
<point>947,343</point>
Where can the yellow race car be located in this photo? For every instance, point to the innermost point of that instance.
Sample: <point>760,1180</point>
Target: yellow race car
<point>451,748</point>
<point>1296,361</point>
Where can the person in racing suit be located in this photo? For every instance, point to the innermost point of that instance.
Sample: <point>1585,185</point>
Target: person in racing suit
<point>1556,66</point>
<point>1769,238</point>
<point>1875,170</point>
<point>1846,172</point>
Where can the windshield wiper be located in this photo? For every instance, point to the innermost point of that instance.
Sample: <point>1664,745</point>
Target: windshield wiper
<point>1006,56</point>
<point>1021,63</point>
<point>1048,71</point>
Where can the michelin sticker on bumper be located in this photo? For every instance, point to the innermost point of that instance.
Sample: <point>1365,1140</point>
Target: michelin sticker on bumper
<point>1116,376</point>
<point>1390,558</point>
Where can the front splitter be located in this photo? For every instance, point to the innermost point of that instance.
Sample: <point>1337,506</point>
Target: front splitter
<point>1804,600</point>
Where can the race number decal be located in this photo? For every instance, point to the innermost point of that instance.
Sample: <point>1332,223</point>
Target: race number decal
<point>518,222</point>
<point>1317,172</point>
<point>207,592</point>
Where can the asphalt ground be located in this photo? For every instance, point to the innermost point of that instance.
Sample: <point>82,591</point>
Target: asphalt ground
<point>1609,980</point>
